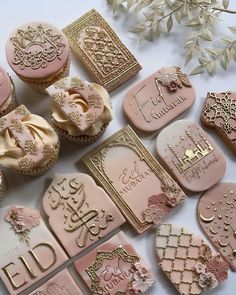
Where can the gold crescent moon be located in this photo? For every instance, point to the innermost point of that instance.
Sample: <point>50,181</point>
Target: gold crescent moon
<point>212,231</point>
<point>223,244</point>
<point>206,219</point>
<point>229,202</point>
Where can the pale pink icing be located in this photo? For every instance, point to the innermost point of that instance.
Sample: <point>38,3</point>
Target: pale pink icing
<point>5,86</point>
<point>50,67</point>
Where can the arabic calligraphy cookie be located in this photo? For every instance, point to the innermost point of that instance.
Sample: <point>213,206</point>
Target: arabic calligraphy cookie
<point>39,54</point>
<point>28,251</point>
<point>139,186</point>
<point>7,93</point>
<point>219,113</point>
<point>81,111</point>
<point>115,268</point>
<point>189,263</point>
<point>158,99</point>
<point>80,212</point>
<point>217,217</point>
<point>60,284</point>
<point>191,155</point>
<point>28,143</point>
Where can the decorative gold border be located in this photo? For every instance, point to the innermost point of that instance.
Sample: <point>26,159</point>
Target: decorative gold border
<point>119,75</point>
<point>101,256</point>
<point>126,137</point>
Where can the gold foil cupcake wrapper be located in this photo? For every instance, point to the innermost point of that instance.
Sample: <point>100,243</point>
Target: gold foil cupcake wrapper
<point>101,51</point>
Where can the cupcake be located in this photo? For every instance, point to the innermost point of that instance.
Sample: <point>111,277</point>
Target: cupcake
<point>81,111</point>
<point>28,143</point>
<point>7,93</point>
<point>3,185</point>
<point>39,54</point>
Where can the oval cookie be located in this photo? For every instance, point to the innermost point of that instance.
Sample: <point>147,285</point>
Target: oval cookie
<point>191,155</point>
<point>158,99</point>
<point>217,218</point>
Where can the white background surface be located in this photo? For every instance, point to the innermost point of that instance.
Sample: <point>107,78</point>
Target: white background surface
<point>28,191</point>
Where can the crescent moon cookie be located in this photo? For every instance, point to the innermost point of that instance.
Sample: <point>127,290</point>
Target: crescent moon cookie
<point>28,251</point>
<point>81,111</point>
<point>219,113</point>
<point>191,155</point>
<point>7,93</point>
<point>217,218</point>
<point>189,263</point>
<point>39,54</point>
<point>28,144</point>
<point>158,99</point>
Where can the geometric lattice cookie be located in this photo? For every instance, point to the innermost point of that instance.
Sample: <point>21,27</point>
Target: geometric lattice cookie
<point>188,262</point>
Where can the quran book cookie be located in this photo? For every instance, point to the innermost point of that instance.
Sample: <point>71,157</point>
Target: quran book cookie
<point>219,113</point>
<point>80,212</point>
<point>60,284</point>
<point>217,217</point>
<point>115,268</point>
<point>81,111</point>
<point>158,99</point>
<point>7,93</point>
<point>188,262</point>
<point>191,156</point>
<point>28,143</point>
<point>38,53</point>
<point>101,51</point>
<point>3,185</point>
<point>28,251</point>
<point>139,186</point>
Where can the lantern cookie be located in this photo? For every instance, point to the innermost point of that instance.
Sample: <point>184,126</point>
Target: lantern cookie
<point>81,111</point>
<point>219,113</point>
<point>158,99</point>
<point>217,217</point>
<point>3,185</point>
<point>80,212</point>
<point>115,268</point>
<point>60,284</point>
<point>191,156</point>
<point>7,93</point>
<point>39,54</point>
<point>28,144</point>
<point>28,251</point>
<point>189,263</point>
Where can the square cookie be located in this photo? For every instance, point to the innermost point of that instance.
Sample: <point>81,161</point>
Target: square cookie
<point>79,212</point>
<point>115,268</point>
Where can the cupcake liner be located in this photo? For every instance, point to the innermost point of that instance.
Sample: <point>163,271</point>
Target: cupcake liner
<point>42,85</point>
<point>3,185</point>
<point>42,170</point>
<point>13,103</point>
<point>81,139</point>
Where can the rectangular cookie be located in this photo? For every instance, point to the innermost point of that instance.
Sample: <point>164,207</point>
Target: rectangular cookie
<point>101,51</point>
<point>136,182</point>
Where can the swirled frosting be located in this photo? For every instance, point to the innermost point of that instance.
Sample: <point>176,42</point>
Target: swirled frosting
<point>11,153</point>
<point>6,90</point>
<point>60,91</point>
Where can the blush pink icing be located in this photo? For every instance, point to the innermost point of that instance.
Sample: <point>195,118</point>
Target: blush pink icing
<point>5,86</point>
<point>37,50</point>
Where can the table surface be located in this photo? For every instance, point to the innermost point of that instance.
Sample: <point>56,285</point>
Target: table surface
<point>28,191</point>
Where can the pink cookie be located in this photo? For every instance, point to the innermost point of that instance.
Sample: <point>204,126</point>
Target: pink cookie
<point>7,93</point>
<point>80,212</point>
<point>38,53</point>
<point>217,217</point>
<point>115,268</point>
<point>189,263</point>
<point>190,155</point>
<point>158,99</point>
<point>140,187</point>
<point>60,284</point>
<point>28,251</point>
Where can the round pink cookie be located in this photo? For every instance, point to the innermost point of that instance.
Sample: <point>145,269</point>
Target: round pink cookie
<point>5,86</point>
<point>217,217</point>
<point>37,50</point>
<point>158,99</point>
<point>191,155</point>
